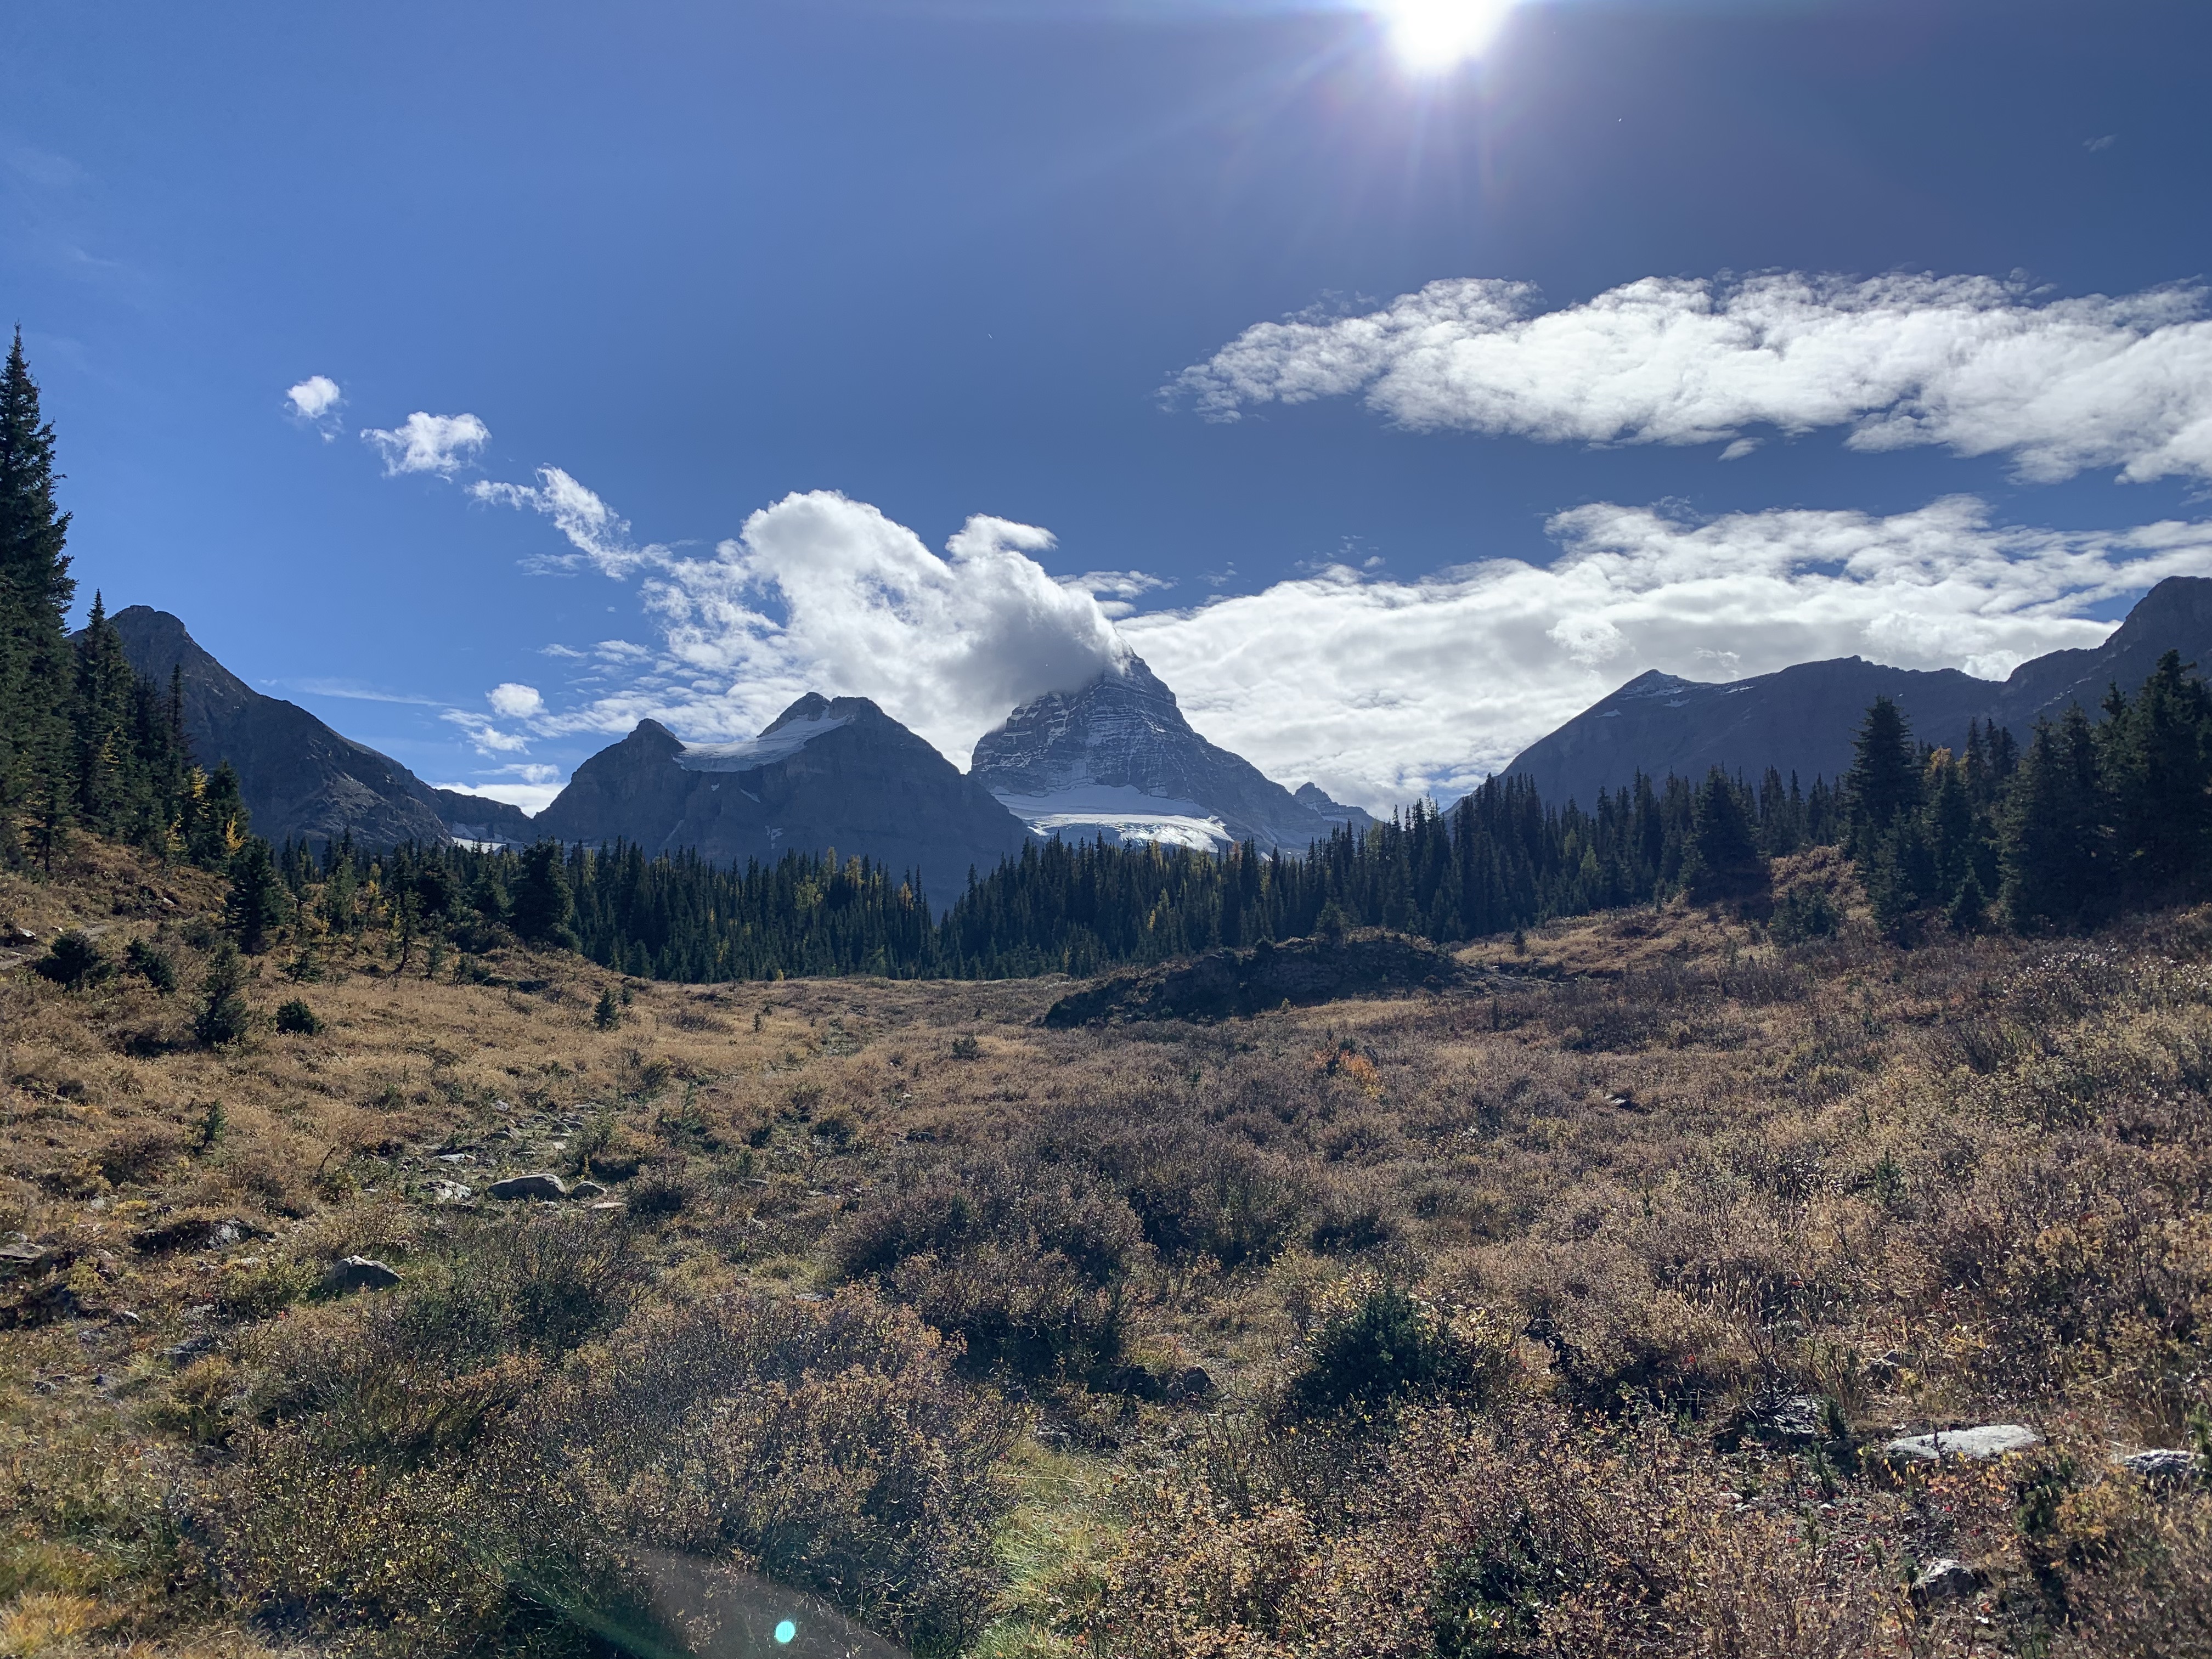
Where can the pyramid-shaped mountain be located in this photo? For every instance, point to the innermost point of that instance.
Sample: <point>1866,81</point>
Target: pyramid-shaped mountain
<point>828,772</point>
<point>1116,758</point>
<point>1802,719</point>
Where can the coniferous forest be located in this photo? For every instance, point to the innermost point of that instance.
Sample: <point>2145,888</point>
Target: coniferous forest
<point>2087,819</point>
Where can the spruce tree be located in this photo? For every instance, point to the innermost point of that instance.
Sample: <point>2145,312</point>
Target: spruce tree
<point>223,1017</point>
<point>2054,847</point>
<point>35,592</point>
<point>255,905</point>
<point>543,902</point>
<point>1723,864</point>
<point>1884,781</point>
<point>2157,757</point>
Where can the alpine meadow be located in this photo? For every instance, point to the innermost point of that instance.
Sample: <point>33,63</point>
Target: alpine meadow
<point>1538,987</point>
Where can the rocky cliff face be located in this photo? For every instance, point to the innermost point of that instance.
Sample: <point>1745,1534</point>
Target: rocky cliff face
<point>1117,758</point>
<point>301,779</point>
<point>1802,719</point>
<point>827,774</point>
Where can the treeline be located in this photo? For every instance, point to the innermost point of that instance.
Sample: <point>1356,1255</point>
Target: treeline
<point>84,742</point>
<point>1497,861</point>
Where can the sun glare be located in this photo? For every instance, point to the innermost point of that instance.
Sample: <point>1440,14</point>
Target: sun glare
<point>1432,35</point>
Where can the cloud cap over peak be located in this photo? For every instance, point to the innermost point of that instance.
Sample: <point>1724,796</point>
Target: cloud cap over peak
<point>1971,363</point>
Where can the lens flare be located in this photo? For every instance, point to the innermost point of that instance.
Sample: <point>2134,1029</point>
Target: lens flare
<point>1433,35</point>
<point>786,1631</point>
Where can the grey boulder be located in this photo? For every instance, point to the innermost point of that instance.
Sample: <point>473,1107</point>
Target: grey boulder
<point>544,1184</point>
<point>2164,1466</point>
<point>362,1273</point>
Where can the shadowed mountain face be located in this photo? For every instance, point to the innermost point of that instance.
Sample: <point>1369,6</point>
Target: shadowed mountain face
<point>301,779</point>
<point>1802,719</point>
<point>1117,758</point>
<point>828,774</point>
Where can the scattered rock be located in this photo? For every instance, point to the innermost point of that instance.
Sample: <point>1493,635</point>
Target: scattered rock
<point>361,1272</point>
<point>1801,1417</point>
<point>449,1191</point>
<point>190,1348</point>
<point>544,1184</point>
<point>1191,1382</point>
<point>2164,1466</point>
<point>20,1258</point>
<point>1945,1579</point>
<point>1980,1445</point>
<point>1885,1370</point>
<point>193,1232</point>
<point>587,1189</point>
<point>456,1157</point>
<point>609,1204</point>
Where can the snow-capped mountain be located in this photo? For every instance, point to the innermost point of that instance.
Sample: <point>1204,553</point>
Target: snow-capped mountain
<point>1117,758</point>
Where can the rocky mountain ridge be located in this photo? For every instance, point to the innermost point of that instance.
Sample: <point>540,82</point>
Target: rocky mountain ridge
<point>1802,719</point>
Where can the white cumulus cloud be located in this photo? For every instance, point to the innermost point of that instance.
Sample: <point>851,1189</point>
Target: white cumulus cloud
<point>1976,364</point>
<point>315,400</point>
<point>513,702</point>
<point>1380,691</point>
<point>428,443</point>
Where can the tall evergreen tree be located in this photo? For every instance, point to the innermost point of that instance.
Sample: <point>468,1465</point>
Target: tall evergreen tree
<point>544,904</point>
<point>2157,757</point>
<point>2055,847</point>
<point>1723,864</point>
<point>35,592</point>
<point>1884,781</point>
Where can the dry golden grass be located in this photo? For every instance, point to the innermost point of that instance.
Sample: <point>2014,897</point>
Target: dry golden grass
<point>1687,1174</point>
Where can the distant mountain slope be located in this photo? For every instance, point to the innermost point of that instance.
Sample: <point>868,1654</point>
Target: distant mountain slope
<point>479,818</point>
<point>1117,758</point>
<point>826,773</point>
<point>1802,719</point>
<point>301,779</point>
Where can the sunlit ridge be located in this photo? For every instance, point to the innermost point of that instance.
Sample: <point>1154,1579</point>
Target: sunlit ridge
<point>1431,35</point>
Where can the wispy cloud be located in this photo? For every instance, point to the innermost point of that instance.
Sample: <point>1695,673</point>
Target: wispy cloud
<point>1976,364</point>
<point>483,734</point>
<point>357,690</point>
<point>599,536</point>
<point>442,444</point>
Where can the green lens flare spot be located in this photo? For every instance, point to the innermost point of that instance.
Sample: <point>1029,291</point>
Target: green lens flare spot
<point>786,1631</point>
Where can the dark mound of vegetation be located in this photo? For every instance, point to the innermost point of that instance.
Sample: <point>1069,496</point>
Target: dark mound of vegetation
<point>1238,984</point>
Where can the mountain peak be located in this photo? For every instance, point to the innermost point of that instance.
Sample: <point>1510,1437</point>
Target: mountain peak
<point>1116,757</point>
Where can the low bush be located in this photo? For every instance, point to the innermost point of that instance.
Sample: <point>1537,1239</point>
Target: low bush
<point>296,1019</point>
<point>1391,1347</point>
<point>1028,1263</point>
<point>75,962</point>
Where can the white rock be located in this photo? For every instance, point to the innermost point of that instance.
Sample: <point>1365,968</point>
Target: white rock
<point>1991,1440</point>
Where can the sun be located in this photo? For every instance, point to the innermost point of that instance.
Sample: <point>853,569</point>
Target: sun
<point>1433,35</point>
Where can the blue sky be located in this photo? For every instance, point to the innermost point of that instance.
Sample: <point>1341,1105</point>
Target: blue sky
<point>962,260</point>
